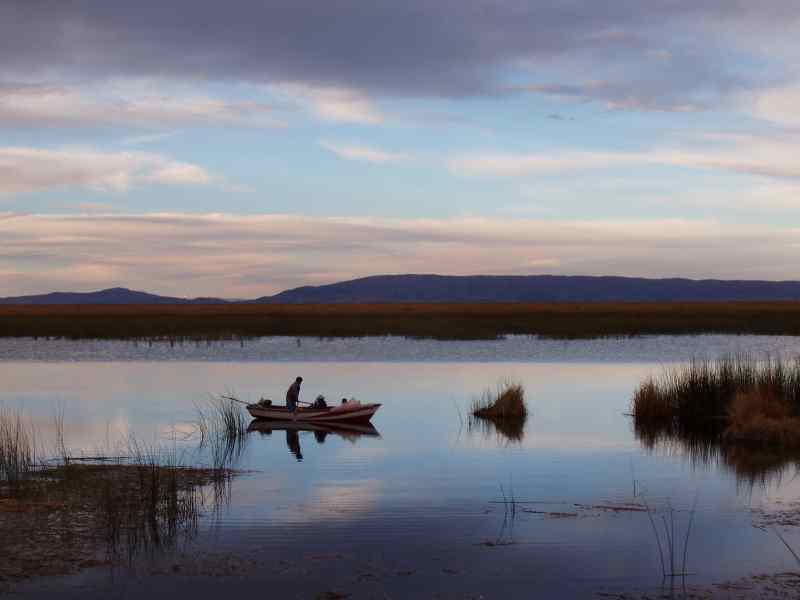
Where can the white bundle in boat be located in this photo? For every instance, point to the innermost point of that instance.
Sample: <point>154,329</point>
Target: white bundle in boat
<point>351,404</point>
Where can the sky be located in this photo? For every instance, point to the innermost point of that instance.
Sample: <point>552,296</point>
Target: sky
<point>236,149</point>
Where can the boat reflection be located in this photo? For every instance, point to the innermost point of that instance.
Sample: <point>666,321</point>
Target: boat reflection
<point>349,431</point>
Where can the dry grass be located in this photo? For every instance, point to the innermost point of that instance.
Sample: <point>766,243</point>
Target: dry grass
<point>441,321</point>
<point>506,403</point>
<point>68,517</point>
<point>761,418</point>
<point>738,398</point>
<point>17,449</point>
<point>706,390</point>
<point>64,514</point>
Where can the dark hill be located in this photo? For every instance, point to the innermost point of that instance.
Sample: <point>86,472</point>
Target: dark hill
<point>110,296</point>
<point>483,288</point>
<point>534,288</point>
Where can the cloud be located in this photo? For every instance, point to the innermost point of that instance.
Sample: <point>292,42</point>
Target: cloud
<point>25,170</point>
<point>247,256</point>
<point>515,165</point>
<point>662,94</point>
<point>651,54</point>
<point>137,103</point>
<point>735,153</point>
<point>335,104</point>
<point>778,104</point>
<point>362,153</point>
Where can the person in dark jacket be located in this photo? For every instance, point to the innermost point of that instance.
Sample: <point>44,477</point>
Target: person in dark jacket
<point>293,395</point>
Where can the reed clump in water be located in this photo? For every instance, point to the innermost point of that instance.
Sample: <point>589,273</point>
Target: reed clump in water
<point>222,428</point>
<point>17,449</point>
<point>751,400</point>
<point>506,403</point>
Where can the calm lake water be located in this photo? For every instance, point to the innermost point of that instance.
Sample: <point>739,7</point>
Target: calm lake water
<point>416,511</point>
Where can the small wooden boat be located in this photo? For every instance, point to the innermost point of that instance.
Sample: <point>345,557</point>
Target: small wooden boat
<point>353,412</point>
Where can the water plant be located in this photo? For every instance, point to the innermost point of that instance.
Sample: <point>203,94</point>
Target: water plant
<point>17,448</point>
<point>506,402</point>
<point>222,428</point>
<point>179,323</point>
<point>746,399</point>
<point>672,555</point>
<point>142,502</point>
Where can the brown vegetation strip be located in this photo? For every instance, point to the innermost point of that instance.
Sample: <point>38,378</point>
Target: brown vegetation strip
<point>442,321</point>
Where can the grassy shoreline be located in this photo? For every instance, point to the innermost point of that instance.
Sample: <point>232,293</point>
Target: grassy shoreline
<point>437,321</point>
<point>61,513</point>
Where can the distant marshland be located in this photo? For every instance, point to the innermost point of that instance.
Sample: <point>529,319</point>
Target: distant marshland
<point>436,321</point>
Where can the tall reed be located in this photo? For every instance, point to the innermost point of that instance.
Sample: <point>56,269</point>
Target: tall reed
<point>507,401</point>
<point>17,448</point>
<point>704,390</point>
<point>222,427</point>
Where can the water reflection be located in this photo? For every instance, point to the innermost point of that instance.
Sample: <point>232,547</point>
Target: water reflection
<point>419,495</point>
<point>752,465</point>
<point>507,431</point>
<point>349,432</point>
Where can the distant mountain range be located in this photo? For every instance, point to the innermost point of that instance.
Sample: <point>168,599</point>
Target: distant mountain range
<point>117,295</point>
<point>483,288</point>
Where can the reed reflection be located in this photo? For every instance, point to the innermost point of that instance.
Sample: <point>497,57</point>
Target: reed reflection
<point>501,430</point>
<point>706,446</point>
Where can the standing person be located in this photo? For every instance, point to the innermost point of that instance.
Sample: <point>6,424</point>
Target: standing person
<point>293,395</point>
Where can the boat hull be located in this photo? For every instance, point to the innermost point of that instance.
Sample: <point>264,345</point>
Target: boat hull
<point>358,413</point>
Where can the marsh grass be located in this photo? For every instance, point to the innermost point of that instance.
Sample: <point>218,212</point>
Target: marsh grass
<point>673,552</point>
<point>189,323</point>
<point>755,401</point>
<point>505,402</point>
<point>144,502</point>
<point>222,429</point>
<point>500,411</point>
<point>17,448</point>
<point>761,418</point>
<point>152,500</point>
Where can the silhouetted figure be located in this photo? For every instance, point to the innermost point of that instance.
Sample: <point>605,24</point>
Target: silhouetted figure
<point>293,442</point>
<point>293,394</point>
<point>320,436</point>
